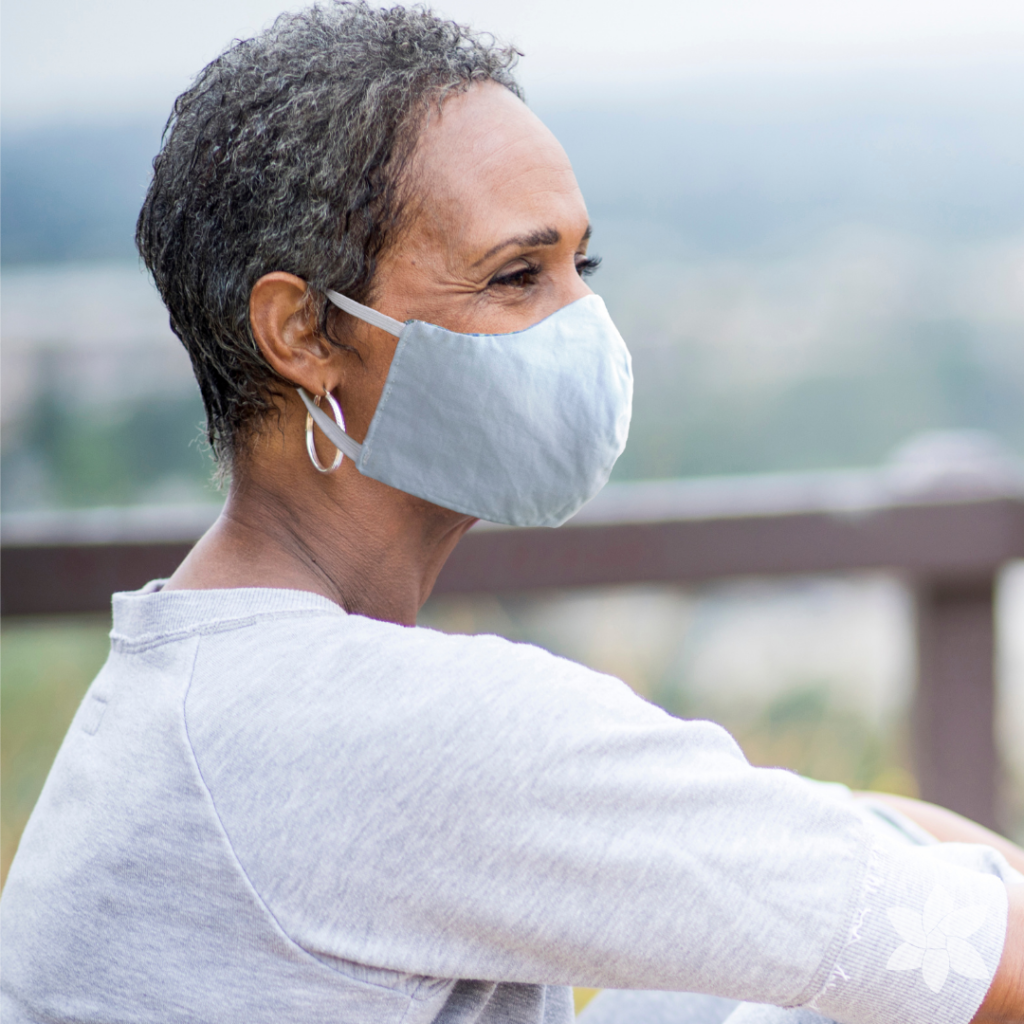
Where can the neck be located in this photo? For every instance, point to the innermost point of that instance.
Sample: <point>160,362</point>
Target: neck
<point>371,549</point>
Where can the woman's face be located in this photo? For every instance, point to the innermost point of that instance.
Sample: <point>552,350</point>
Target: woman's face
<point>496,232</point>
<point>495,237</point>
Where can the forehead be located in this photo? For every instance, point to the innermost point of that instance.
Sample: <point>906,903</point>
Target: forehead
<point>485,166</point>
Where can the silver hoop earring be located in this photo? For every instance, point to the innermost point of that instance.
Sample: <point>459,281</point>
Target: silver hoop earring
<point>311,447</point>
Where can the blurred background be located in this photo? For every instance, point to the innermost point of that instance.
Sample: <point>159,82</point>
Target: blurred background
<point>811,216</point>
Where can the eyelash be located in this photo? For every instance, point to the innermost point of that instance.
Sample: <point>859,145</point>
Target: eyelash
<point>525,275</point>
<point>518,278</point>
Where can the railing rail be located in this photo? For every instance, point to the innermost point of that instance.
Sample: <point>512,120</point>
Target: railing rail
<point>947,534</point>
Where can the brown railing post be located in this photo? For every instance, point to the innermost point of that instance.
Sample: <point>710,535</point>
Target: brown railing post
<point>954,707</point>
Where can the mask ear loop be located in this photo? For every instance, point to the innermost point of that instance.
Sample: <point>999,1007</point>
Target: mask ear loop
<point>335,432</point>
<point>310,444</point>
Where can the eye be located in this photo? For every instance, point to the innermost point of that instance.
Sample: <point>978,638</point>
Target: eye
<point>521,277</point>
<point>587,265</point>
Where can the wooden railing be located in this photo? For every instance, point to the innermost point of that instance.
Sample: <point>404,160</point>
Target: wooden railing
<point>947,535</point>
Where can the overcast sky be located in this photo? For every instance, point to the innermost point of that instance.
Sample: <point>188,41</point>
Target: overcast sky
<point>75,57</point>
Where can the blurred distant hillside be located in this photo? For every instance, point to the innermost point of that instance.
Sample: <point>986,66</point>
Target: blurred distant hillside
<point>72,192</point>
<point>807,272</point>
<point>718,169</point>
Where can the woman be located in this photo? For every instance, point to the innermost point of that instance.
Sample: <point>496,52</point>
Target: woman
<point>281,802</point>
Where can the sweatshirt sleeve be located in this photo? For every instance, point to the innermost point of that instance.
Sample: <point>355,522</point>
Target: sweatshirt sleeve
<point>466,807</point>
<point>923,944</point>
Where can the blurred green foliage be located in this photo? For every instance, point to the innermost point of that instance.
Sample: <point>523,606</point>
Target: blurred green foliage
<point>809,732</point>
<point>45,668</point>
<point>694,415</point>
<point>136,452</point>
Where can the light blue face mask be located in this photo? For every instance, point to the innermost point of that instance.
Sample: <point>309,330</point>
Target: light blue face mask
<point>520,428</point>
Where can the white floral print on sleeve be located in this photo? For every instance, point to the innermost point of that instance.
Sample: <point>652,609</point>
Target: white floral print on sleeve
<point>935,940</point>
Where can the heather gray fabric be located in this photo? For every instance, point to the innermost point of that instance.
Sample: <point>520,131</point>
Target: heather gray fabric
<point>618,1006</point>
<point>645,1007</point>
<point>519,428</point>
<point>268,810</point>
<point>749,1013</point>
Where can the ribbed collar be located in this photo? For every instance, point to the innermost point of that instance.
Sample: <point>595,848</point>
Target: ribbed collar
<point>151,612</point>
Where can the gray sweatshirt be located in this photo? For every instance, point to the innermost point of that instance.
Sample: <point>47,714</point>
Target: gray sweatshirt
<point>268,810</point>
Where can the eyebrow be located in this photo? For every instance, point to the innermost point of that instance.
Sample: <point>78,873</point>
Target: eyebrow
<point>544,236</point>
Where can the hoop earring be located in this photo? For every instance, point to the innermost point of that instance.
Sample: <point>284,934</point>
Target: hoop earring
<point>311,447</point>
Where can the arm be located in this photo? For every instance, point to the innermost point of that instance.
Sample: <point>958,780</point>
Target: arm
<point>1004,1003</point>
<point>949,827</point>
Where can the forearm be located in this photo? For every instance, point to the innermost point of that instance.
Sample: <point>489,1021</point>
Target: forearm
<point>1004,1003</point>
<point>949,827</point>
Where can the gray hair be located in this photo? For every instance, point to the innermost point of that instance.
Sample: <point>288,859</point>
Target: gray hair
<point>287,153</point>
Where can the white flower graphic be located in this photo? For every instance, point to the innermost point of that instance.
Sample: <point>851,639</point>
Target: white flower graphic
<point>934,940</point>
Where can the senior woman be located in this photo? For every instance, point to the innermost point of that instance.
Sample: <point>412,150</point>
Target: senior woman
<point>279,800</point>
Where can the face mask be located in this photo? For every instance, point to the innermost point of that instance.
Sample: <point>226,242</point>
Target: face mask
<point>520,428</point>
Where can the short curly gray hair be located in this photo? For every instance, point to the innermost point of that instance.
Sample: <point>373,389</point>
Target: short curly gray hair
<point>287,154</point>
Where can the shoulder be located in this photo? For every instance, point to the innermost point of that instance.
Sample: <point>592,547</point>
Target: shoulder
<point>319,650</point>
<point>318,681</point>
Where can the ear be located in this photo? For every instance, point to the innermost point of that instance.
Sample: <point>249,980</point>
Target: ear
<point>284,328</point>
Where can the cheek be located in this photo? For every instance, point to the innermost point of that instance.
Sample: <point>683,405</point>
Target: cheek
<point>365,385</point>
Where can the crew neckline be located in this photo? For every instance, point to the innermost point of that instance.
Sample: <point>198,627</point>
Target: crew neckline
<point>152,611</point>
